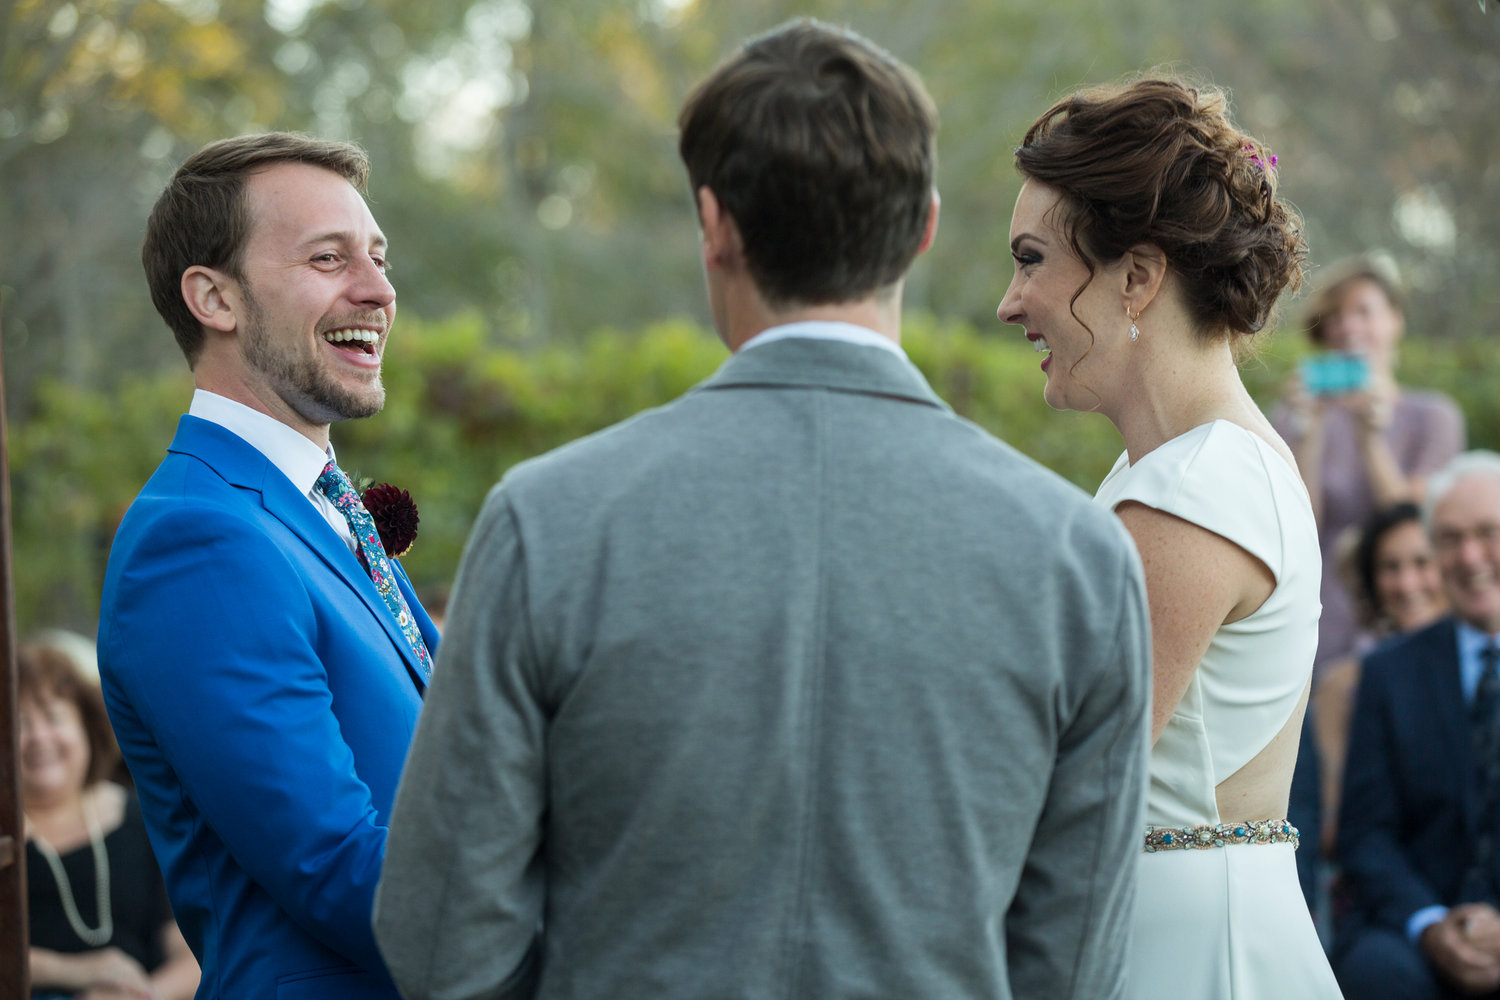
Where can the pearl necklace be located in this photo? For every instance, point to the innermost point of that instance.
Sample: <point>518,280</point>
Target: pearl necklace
<point>106,930</point>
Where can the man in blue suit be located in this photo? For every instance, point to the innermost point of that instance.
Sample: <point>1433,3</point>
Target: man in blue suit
<point>1422,786</point>
<point>263,661</point>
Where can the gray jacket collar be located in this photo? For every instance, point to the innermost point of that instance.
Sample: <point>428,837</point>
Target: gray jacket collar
<point>824,364</point>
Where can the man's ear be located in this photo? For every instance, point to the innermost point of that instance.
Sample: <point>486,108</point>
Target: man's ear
<point>930,233</point>
<point>1145,270</point>
<point>206,291</point>
<point>721,237</point>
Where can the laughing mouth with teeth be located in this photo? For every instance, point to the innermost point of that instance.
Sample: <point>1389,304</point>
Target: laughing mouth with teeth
<point>1039,344</point>
<point>353,340</point>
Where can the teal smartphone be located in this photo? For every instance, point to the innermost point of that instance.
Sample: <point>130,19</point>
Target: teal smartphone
<point>1334,373</point>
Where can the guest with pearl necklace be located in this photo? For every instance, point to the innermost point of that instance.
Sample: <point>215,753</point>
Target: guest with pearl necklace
<point>100,925</point>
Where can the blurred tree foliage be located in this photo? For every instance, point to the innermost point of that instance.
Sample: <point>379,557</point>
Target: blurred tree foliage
<point>526,174</point>
<point>525,162</point>
<point>460,412</point>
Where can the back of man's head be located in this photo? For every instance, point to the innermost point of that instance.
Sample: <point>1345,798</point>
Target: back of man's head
<point>820,147</point>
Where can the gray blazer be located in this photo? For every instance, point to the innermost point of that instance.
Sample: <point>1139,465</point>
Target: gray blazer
<point>797,687</point>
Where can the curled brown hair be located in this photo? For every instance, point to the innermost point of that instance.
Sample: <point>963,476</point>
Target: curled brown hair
<point>45,672</point>
<point>202,217</point>
<point>820,146</point>
<point>1159,162</point>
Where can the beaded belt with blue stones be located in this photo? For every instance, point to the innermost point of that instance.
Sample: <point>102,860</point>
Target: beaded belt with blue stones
<point>1202,838</point>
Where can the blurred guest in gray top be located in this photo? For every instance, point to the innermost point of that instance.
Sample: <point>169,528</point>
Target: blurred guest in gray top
<point>800,686</point>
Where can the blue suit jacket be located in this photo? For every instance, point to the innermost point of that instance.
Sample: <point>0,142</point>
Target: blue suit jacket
<point>1410,802</point>
<point>264,699</point>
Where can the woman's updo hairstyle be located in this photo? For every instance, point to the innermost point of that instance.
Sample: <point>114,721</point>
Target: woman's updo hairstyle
<point>1159,162</point>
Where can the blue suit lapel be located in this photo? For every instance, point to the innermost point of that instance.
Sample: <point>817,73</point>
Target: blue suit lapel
<point>292,509</point>
<point>241,465</point>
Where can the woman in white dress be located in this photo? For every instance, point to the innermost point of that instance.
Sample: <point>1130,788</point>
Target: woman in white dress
<point>1149,244</point>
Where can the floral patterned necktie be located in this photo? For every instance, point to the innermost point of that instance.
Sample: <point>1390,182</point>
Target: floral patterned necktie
<point>334,485</point>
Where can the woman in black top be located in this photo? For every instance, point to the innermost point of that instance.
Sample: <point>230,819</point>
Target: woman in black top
<point>101,928</point>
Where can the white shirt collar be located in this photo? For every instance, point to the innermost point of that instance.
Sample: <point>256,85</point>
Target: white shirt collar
<point>1470,641</point>
<point>825,330</point>
<point>298,458</point>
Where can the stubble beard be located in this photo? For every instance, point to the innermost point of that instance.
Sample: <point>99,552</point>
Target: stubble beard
<point>301,379</point>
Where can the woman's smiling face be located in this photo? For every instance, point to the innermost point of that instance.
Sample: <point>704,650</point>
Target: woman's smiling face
<point>55,752</point>
<point>1408,588</point>
<point>1083,336</point>
<point>1365,323</point>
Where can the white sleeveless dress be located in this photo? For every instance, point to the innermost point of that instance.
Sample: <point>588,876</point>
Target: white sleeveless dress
<point>1228,923</point>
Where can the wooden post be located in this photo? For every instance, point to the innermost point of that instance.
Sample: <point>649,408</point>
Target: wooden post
<point>14,938</point>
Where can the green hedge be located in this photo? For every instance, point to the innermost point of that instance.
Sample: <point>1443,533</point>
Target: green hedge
<point>460,412</point>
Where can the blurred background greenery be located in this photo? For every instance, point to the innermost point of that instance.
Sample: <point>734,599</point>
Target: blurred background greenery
<point>543,238</point>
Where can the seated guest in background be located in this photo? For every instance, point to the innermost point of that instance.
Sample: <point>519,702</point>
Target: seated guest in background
<point>99,919</point>
<point>1422,782</point>
<point>1394,577</point>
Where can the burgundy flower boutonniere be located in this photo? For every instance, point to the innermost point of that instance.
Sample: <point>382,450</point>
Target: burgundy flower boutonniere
<point>395,516</point>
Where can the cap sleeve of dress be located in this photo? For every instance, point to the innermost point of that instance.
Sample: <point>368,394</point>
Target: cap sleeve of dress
<point>1218,476</point>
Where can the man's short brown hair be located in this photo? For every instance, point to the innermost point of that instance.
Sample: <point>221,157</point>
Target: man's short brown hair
<point>202,217</point>
<point>820,146</point>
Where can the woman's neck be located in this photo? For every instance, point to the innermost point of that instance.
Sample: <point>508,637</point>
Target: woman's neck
<point>1177,390</point>
<point>61,821</point>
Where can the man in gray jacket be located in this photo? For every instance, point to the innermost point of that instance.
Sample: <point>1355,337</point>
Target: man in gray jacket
<point>800,686</point>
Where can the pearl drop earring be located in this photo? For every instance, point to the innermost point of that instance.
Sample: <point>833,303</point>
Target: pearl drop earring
<point>1135,332</point>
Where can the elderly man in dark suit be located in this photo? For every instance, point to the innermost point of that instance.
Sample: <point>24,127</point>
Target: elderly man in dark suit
<point>1422,788</point>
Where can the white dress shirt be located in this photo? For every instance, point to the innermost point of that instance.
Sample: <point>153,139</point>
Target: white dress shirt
<point>298,458</point>
<point>825,330</point>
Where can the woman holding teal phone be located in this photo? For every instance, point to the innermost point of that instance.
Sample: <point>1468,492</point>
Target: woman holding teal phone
<point>1362,441</point>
